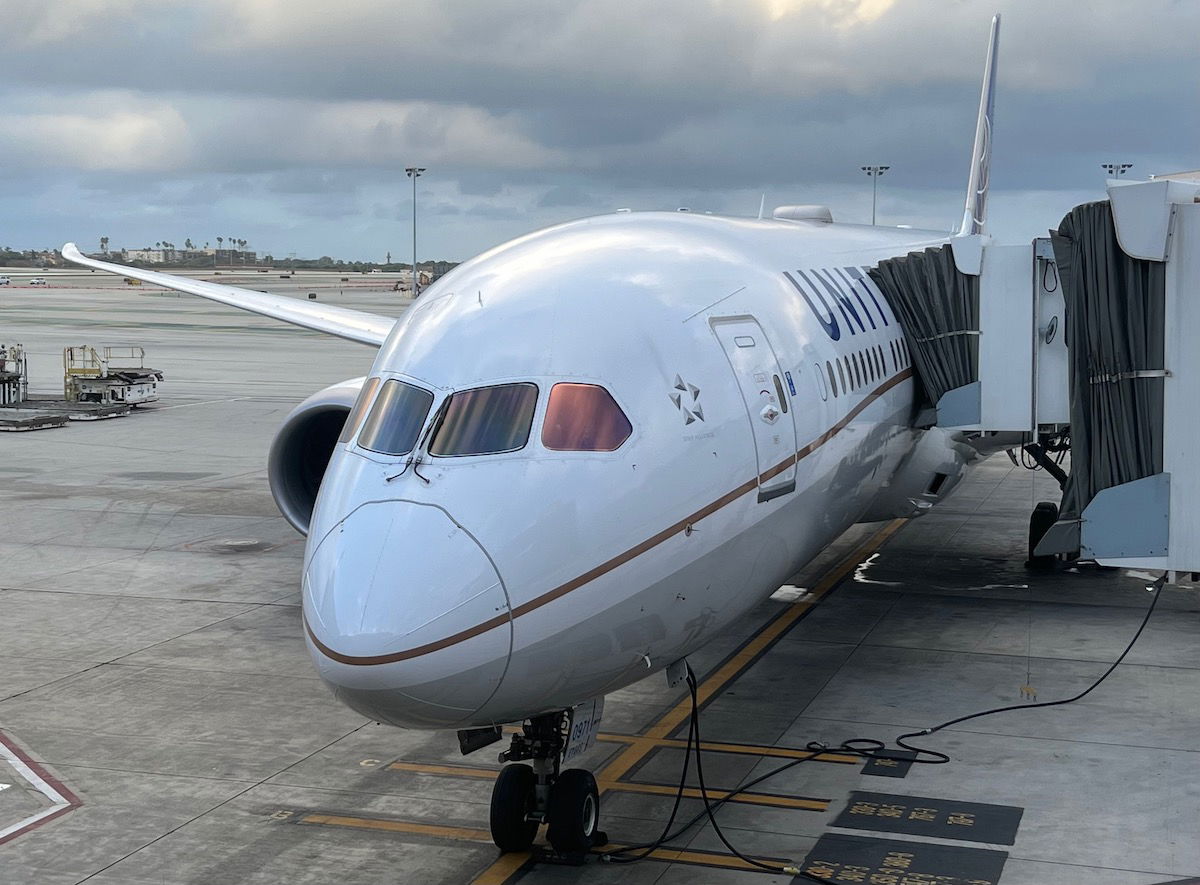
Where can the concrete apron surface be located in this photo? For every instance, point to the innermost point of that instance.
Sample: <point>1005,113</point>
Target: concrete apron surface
<point>153,676</point>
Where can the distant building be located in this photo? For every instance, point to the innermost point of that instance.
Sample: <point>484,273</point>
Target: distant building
<point>149,256</point>
<point>235,256</point>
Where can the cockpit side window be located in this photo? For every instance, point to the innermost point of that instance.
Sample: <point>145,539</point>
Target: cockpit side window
<point>485,421</point>
<point>354,419</point>
<point>396,419</point>
<point>583,418</point>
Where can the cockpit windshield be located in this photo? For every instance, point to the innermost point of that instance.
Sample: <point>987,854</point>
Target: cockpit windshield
<point>584,418</point>
<point>485,421</point>
<point>396,419</point>
<point>488,420</point>
<point>354,419</point>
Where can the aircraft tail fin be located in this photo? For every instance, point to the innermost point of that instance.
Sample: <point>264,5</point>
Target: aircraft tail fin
<point>974,220</point>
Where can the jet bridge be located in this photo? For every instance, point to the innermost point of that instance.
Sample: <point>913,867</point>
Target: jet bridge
<point>1077,341</point>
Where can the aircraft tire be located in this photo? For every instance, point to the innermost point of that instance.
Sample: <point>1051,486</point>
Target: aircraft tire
<point>513,797</point>
<point>574,812</point>
<point>1043,516</point>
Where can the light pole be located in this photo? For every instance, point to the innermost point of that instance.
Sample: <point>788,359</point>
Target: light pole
<point>414,172</point>
<point>874,172</point>
<point>1116,170</point>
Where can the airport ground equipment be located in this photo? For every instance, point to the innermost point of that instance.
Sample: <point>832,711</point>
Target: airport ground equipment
<point>111,375</point>
<point>14,374</point>
<point>15,419</point>
<point>14,393</point>
<point>22,410</point>
<point>1078,342</point>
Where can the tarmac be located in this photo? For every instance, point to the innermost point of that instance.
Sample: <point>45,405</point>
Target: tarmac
<point>160,720</point>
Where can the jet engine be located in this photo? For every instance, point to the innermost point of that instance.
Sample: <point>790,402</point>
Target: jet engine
<point>301,449</point>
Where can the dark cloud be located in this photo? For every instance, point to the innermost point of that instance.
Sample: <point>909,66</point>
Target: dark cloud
<point>478,183</point>
<point>293,124</point>
<point>564,195</point>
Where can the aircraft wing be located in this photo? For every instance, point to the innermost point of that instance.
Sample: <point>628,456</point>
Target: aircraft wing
<point>357,325</point>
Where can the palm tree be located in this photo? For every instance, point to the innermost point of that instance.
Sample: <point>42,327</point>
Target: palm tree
<point>188,244</point>
<point>104,245</point>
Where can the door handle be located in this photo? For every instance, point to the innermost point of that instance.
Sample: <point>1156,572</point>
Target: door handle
<point>769,413</point>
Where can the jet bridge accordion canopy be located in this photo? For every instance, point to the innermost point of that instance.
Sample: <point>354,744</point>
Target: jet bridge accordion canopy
<point>938,307</point>
<point>1115,310</point>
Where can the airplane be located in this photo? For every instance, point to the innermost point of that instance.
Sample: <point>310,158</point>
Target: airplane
<point>582,454</point>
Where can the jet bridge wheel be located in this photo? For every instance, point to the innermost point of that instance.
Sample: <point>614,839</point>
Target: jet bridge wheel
<point>573,814</point>
<point>514,797</point>
<point>1043,516</point>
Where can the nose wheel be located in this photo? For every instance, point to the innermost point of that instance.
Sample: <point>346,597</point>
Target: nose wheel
<point>514,806</point>
<point>573,817</point>
<point>525,796</point>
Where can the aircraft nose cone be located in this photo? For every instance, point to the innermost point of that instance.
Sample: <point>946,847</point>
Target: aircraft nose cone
<point>406,617</point>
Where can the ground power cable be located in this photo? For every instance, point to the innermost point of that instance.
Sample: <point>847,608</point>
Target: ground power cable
<point>866,748</point>
<point>941,758</point>
<point>625,854</point>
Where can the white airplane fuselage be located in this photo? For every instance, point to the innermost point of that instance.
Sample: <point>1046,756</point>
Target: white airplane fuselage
<point>471,590</point>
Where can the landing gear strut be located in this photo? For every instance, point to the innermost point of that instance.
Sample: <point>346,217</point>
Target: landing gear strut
<point>526,796</point>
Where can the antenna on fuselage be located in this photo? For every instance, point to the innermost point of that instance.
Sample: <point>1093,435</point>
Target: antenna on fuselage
<point>762,206</point>
<point>974,220</point>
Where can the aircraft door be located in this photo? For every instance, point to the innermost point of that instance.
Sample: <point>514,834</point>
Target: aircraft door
<point>768,404</point>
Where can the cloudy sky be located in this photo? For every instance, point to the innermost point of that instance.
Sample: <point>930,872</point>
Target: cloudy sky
<point>289,122</point>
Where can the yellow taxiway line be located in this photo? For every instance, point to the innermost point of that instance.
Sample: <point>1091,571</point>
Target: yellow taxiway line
<point>462,834</point>
<point>699,858</point>
<point>742,749</point>
<point>746,798</point>
<point>507,864</point>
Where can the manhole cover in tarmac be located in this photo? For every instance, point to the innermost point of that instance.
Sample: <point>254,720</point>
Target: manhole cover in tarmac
<point>29,795</point>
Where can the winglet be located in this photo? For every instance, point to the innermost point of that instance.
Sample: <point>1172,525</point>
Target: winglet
<point>974,219</point>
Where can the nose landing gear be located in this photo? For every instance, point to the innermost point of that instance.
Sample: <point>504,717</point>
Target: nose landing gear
<point>526,796</point>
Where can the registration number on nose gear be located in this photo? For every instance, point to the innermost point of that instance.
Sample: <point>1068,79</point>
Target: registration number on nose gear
<point>583,726</point>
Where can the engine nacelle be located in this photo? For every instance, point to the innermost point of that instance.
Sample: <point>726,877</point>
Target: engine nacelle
<point>930,472</point>
<point>301,449</point>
